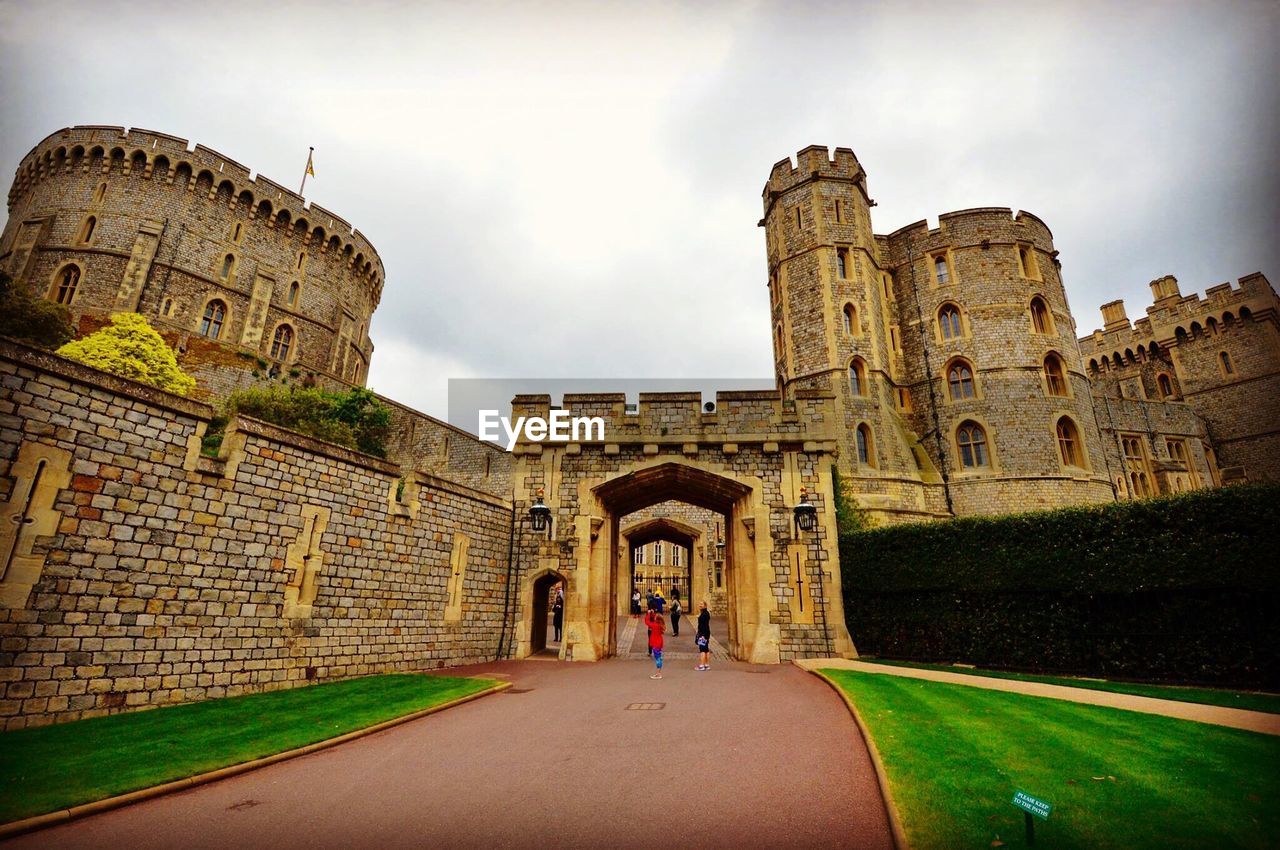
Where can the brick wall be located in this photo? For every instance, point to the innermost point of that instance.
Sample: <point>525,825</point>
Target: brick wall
<point>165,576</point>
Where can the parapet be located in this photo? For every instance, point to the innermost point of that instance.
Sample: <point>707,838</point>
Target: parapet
<point>1253,298</point>
<point>148,150</point>
<point>681,418</point>
<point>994,219</point>
<point>813,161</point>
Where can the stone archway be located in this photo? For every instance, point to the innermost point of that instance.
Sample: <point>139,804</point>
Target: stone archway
<point>671,530</point>
<point>748,462</point>
<point>531,631</point>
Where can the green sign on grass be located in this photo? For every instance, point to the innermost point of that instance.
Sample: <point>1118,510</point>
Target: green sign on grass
<point>1032,805</point>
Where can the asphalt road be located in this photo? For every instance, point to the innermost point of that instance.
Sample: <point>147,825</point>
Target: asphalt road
<point>742,756</point>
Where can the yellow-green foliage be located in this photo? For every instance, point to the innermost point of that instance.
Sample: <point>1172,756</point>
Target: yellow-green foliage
<point>131,348</point>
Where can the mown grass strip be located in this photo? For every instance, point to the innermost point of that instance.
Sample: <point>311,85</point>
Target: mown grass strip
<point>50,768</point>
<point>1247,700</point>
<point>954,756</point>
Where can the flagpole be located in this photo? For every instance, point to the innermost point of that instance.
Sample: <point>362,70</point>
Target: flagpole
<point>306,170</point>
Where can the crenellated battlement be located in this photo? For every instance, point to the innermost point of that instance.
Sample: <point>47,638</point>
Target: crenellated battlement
<point>814,161</point>
<point>1000,223</point>
<point>175,161</point>
<point>1253,297</point>
<point>682,417</point>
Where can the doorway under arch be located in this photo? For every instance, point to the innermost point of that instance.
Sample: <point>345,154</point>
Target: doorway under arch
<point>540,588</point>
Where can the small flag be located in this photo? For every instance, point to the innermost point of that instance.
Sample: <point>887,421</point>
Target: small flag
<point>310,172</point>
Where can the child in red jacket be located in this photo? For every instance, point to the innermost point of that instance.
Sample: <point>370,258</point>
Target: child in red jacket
<point>656,625</point>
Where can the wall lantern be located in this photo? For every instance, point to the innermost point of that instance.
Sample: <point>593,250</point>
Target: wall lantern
<point>539,514</point>
<point>719,550</point>
<point>806,513</point>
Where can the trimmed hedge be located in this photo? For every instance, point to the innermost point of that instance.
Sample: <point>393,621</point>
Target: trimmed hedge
<point>1182,588</point>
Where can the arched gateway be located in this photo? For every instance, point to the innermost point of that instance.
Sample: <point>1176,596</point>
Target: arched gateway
<point>747,461</point>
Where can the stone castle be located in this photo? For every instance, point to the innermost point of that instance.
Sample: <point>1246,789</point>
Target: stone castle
<point>954,359</point>
<point>937,369</point>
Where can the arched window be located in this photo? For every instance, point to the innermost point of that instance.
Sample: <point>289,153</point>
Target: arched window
<point>1055,377</point>
<point>1165,384</point>
<point>971,440</point>
<point>960,380</point>
<point>1041,319</point>
<point>167,308</point>
<point>1069,443</point>
<point>866,447</point>
<point>940,271</point>
<point>215,313</point>
<point>68,280</point>
<point>858,377</point>
<point>281,343</point>
<point>949,321</point>
<point>86,230</point>
<point>850,320</point>
<point>293,294</point>
<point>1027,262</point>
<point>842,262</point>
<point>1225,359</point>
<point>228,266</point>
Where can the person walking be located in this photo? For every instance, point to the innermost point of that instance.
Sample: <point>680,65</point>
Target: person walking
<point>648,600</point>
<point>653,622</point>
<point>557,616</point>
<point>675,616</point>
<point>703,638</point>
<point>659,603</point>
<point>635,602</point>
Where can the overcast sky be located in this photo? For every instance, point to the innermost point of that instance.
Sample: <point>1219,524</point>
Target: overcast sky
<point>564,189</point>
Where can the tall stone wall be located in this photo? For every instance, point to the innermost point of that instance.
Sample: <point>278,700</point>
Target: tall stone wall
<point>148,574</point>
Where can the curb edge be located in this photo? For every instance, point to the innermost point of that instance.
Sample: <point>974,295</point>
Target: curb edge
<point>891,809</point>
<point>35,822</point>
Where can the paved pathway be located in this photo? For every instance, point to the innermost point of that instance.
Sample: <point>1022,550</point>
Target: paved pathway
<point>1254,721</point>
<point>740,756</point>
<point>633,641</point>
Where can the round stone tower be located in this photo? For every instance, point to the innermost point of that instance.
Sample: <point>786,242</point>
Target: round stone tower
<point>238,272</point>
<point>951,351</point>
<point>991,363</point>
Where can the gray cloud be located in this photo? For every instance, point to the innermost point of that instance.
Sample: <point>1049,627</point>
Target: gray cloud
<point>572,189</point>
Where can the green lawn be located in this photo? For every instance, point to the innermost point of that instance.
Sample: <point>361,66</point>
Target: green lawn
<point>53,767</point>
<point>956,754</point>
<point>1250,700</point>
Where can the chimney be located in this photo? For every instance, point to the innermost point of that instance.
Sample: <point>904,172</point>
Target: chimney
<point>1113,315</point>
<point>1164,287</point>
